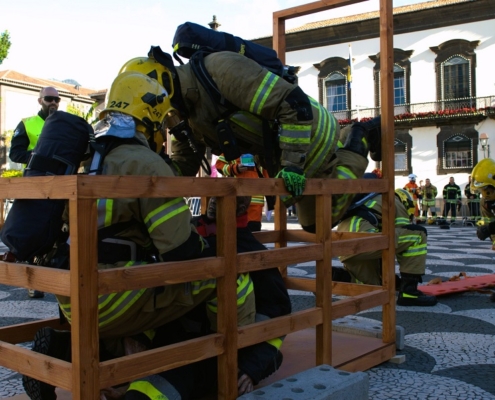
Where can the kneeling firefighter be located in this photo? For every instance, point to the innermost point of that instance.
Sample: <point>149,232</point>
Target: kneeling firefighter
<point>410,246</point>
<point>233,105</point>
<point>134,232</point>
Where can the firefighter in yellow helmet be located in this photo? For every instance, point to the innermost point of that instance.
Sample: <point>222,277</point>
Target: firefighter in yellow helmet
<point>364,215</point>
<point>255,111</point>
<point>139,231</point>
<point>483,182</point>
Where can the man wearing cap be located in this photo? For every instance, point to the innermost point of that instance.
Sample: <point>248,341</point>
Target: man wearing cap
<point>26,136</point>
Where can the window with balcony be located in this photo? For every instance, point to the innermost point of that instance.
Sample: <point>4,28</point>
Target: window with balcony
<point>402,152</point>
<point>455,67</point>
<point>332,86</point>
<point>402,72</point>
<point>457,149</point>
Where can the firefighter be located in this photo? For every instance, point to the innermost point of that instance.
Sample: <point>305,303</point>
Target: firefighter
<point>429,193</point>
<point>415,191</point>
<point>258,112</point>
<point>140,231</point>
<point>483,182</point>
<point>256,362</point>
<point>246,167</point>
<point>410,246</point>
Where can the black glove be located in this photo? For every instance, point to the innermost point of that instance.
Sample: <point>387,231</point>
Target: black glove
<point>483,232</point>
<point>294,180</point>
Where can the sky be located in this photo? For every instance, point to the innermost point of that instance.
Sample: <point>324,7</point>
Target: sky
<point>90,40</point>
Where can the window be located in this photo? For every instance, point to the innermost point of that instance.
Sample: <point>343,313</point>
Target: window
<point>456,78</point>
<point>332,86</point>
<point>402,72</point>
<point>400,150</point>
<point>458,153</point>
<point>457,148</point>
<point>399,86</point>
<point>336,92</point>
<point>455,67</point>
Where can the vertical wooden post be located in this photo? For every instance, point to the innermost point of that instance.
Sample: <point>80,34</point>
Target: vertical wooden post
<point>279,37</point>
<point>387,112</point>
<point>324,279</point>
<point>84,299</point>
<point>227,297</point>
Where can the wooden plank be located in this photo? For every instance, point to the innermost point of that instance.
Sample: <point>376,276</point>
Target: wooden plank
<point>256,260</point>
<point>311,8</point>
<point>324,280</point>
<point>300,236</point>
<point>147,276</point>
<point>227,296</point>
<point>39,187</point>
<point>128,368</point>
<point>84,299</point>
<point>276,327</point>
<point>339,288</point>
<point>353,305</point>
<point>20,333</point>
<point>367,360</point>
<point>36,365</point>
<point>388,134</point>
<point>267,236</point>
<point>46,279</point>
<point>360,245</point>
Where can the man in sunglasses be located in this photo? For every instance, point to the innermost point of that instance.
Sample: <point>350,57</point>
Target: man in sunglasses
<point>26,136</point>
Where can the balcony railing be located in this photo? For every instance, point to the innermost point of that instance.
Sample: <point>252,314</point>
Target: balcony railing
<point>432,111</point>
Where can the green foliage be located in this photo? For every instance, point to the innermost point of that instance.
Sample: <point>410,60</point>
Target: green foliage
<point>11,173</point>
<point>78,110</point>
<point>7,137</point>
<point>4,45</point>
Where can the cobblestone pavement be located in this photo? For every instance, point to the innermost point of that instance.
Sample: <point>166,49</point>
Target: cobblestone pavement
<point>449,348</point>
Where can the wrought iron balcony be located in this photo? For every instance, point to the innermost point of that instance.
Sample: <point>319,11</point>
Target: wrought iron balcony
<point>467,110</point>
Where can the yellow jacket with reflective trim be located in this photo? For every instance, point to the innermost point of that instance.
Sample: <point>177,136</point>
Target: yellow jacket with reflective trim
<point>243,83</point>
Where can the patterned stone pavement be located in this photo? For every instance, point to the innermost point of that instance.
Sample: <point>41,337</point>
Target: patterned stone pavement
<point>449,348</point>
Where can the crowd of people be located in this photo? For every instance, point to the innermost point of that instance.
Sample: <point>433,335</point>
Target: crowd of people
<point>131,140</point>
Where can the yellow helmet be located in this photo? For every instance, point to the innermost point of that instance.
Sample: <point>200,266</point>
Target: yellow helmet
<point>143,98</point>
<point>406,199</point>
<point>483,179</point>
<point>152,68</point>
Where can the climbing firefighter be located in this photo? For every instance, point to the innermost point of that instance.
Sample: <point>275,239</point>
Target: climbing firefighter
<point>140,231</point>
<point>365,215</point>
<point>483,182</point>
<point>258,112</point>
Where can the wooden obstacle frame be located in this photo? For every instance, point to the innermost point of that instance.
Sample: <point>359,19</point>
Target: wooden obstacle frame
<point>86,375</point>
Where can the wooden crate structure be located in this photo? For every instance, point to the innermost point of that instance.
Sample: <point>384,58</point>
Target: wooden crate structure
<point>86,375</point>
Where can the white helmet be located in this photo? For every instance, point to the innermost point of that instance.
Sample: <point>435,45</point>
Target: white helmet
<point>412,177</point>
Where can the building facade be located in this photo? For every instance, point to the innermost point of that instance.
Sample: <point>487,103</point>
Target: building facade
<point>444,85</point>
<point>19,99</point>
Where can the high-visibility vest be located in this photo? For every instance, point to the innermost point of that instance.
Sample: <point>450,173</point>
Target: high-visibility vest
<point>33,126</point>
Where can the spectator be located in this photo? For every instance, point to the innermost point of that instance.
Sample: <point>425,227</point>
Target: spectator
<point>415,191</point>
<point>451,199</point>
<point>26,136</point>
<point>473,200</point>
<point>429,193</point>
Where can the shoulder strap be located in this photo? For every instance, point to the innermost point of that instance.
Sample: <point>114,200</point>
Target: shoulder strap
<point>102,147</point>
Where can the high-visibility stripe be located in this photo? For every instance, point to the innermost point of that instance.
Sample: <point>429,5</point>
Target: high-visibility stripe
<point>104,207</point>
<point>322,141</point>
<point>416,249</point>
<point>277,343</point>
<point>258,199</point>
<point>248,122</point>
<point>244,288</point>
<point>155,387</point>
<point>111,306</point>
<point>165,212</point>
<point>402,221</point>
<point>295,134</point>
<point>263,92</point>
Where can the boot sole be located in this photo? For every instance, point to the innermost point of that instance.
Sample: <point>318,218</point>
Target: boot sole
<point>38,390</point>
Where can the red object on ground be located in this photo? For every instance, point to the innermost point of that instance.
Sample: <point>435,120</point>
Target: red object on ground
<point>462,285</point>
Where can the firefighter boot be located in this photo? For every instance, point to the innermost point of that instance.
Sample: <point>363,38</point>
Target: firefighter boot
<point>53,343</point>
<point>409,295</point>
<point>366,137</point>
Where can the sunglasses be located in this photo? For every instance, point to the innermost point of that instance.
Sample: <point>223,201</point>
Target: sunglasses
<point>49,99</point>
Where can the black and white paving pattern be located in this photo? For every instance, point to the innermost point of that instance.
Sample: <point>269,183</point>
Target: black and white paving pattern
<point>449,348</point>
